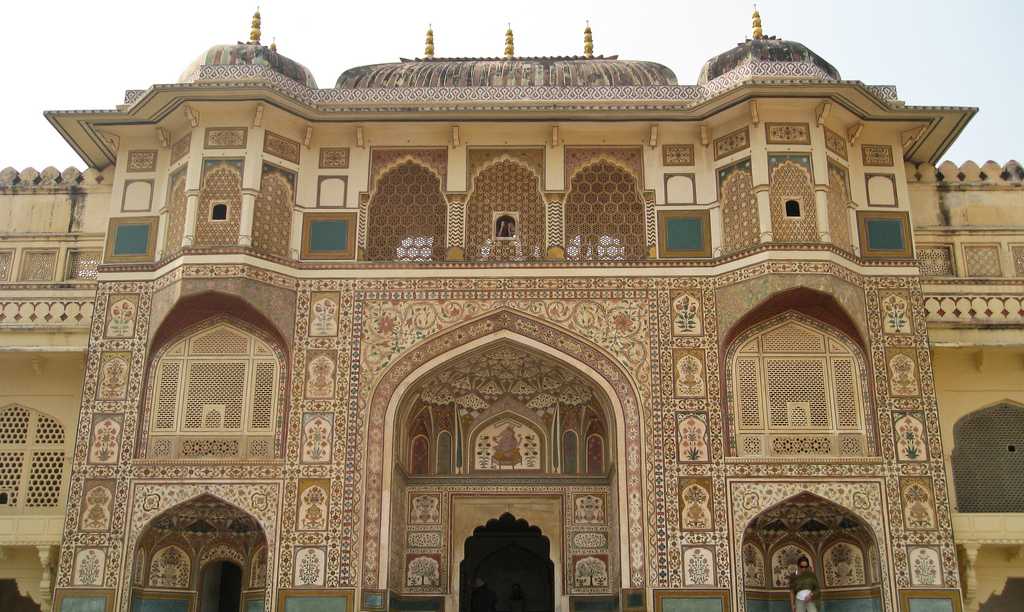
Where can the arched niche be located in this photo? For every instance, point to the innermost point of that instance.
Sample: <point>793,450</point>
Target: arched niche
<point>506,409</point>
<point>840,544</point>
<point>184,552</point>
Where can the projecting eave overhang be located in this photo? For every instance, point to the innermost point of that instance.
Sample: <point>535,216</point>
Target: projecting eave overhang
<point>933,128</point>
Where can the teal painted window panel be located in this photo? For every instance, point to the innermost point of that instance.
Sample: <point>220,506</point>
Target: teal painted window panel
<point>374,600</point>
<point>692,604</point>
<point>929,604</point>
<point>858,604</point>
<point>684,234</point>
<point>328,235</point>
<point>143,604</point>
<point>324,603</point>
<point>596,605</point>
<point>420,604</point>
<point>885,234</point>
<point>254,605</point>
<point>634,600</point>
<point>79,603</point>
<point>131,239</point>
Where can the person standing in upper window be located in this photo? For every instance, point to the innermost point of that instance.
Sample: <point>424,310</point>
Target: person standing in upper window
<point>803,588</point>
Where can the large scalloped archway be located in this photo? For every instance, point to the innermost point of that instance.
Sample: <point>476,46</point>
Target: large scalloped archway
<point>506,325</point>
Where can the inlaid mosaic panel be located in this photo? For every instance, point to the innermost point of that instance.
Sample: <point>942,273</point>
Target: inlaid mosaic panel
<point>876,155</point>
<point>787,133</point>
<point>279,146</point>
<point>739,207</point>
<point>677,155</point>
<point>272,217</point>
<point>38,266</point>
<point>839,206</point>
<point>982,260</point>
<point>732,143</point>
<point>936,260</point>
<point>176,202</point>
<point>141,161</point>
<point>836,144</point>
<point>225,138</point>
<point>335,158</point>
<point>180,148</point>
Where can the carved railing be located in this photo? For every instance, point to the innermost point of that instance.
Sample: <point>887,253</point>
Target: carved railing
<point>45,312</point>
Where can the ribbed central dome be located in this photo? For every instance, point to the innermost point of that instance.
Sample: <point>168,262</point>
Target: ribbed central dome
<point>511,72</point>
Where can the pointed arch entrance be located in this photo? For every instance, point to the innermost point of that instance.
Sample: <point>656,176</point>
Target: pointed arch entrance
<point>840,547</point>
<point>207,554</point>
<point>502,437</point>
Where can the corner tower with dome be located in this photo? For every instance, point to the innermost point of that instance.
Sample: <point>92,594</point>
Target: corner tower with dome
<point>559,331</point>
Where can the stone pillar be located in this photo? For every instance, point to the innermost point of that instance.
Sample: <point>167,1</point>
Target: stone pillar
<point>554,224</point>
<point>191,210</point>
<point>855,229</point>
<point>455,240</point>
<point>248,211</point>
<point>46,582</point>
<point>764,212</point>
<point>971,551</point>
<point>821,212</point>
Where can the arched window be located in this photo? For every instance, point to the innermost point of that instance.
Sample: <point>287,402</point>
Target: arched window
<point>988,460</point>
<point>406,216</point>
<point>215,393</point>
<point>33,449</point>
<point>604,215</point>
<point>797,388</point>
<point>510,192</point>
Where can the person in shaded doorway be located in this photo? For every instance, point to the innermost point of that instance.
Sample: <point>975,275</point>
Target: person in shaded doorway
<point>803,587</point>
<point>483,598</point>
<point>516,600</point>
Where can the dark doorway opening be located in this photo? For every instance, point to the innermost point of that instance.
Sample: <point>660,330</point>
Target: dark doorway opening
<point>221,587</point>
<point>512,560</point>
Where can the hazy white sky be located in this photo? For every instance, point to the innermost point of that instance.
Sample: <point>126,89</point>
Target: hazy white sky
<point>83,55</point>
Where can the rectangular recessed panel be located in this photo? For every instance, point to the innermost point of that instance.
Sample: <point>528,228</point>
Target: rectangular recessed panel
<point>131,239</point>
<point>328,235</point>
<point>685,234</point>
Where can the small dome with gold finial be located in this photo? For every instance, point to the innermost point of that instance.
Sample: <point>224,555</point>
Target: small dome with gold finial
<point>252,53</point>
<point>761,57</point>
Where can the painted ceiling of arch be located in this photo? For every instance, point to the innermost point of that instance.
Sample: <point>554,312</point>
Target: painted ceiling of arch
<point>206,515</point>
<point>507,375</point>
<point>807,516</point>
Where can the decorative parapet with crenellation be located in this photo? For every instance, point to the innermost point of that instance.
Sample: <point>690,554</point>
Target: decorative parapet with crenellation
<point>46,312</point>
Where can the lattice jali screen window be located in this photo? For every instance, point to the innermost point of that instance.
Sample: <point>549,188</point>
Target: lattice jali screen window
<point>215,395</point>
<point>796,390</point>
<point>33,458</point>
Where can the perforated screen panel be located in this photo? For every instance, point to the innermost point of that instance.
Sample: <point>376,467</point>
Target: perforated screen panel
<point>797,386</point>
<point>32,458</point>
<point>988,460</point>
<point>221,381</point>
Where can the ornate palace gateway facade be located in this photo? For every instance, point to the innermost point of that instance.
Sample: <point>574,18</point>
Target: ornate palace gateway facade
<point>557,325</point>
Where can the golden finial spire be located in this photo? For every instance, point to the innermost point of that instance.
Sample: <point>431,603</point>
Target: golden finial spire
<point>756,19</point>
<point>273,44</point>
<point>428,50</point>
<point>254,34</point>
<point>510,49</point>
<point>588,42</point>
